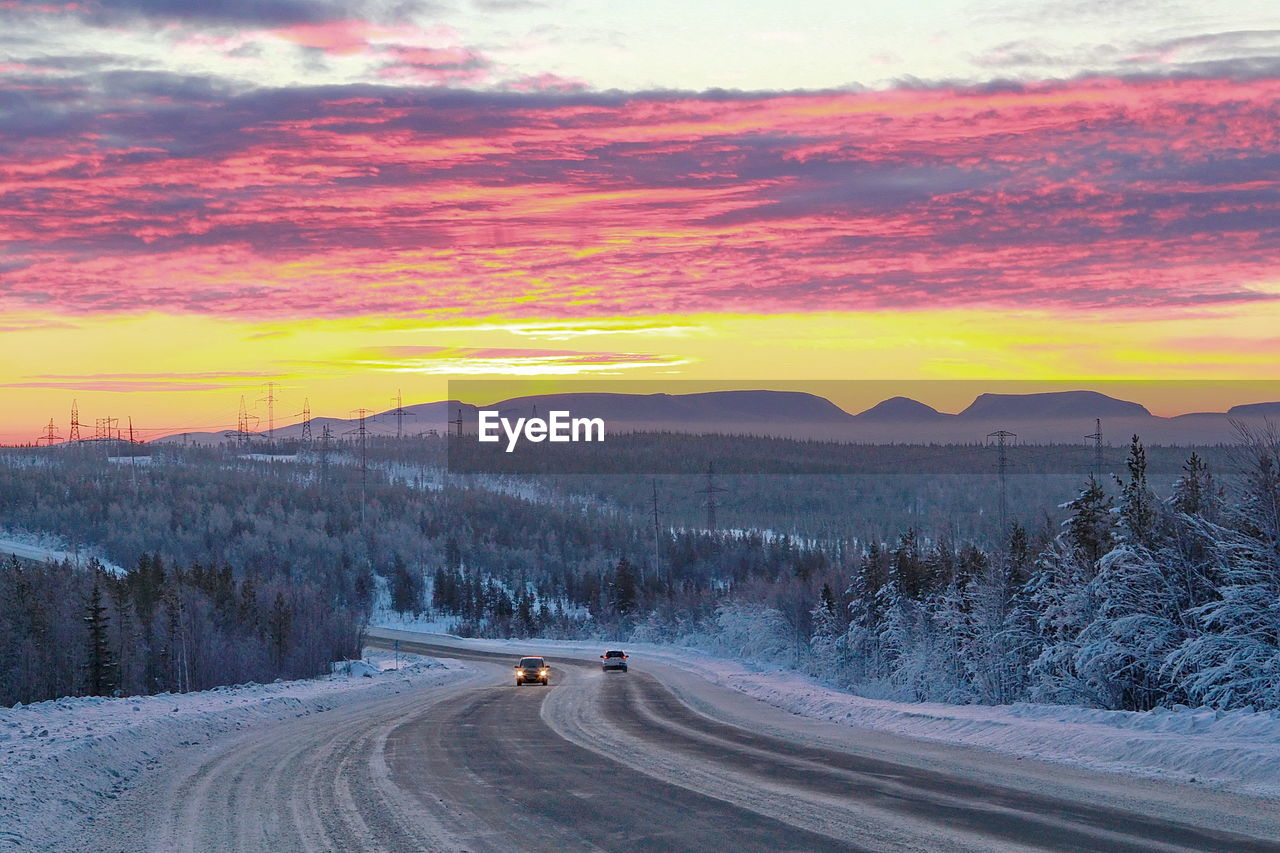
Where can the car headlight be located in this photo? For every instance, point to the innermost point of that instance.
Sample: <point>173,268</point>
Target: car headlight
<point>519,672</point>
<point>544,672</point>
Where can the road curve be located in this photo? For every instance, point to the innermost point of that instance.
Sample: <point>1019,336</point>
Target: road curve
<point>597,762</point>
<point>814,798</point>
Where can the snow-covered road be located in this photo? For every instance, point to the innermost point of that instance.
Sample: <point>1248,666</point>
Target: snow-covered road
<point>96,774</point>
<point>660,758</point>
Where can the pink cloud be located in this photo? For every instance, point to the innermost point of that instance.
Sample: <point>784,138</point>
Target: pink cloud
<point>1105,194</point>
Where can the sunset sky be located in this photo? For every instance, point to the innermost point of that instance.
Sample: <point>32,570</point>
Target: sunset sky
<point>354,198</point>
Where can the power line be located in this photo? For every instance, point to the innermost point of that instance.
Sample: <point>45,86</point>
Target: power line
<point>74,434</point>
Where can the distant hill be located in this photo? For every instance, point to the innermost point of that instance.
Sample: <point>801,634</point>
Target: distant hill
<point>1051,405</point>
<point>902,409</point>
<point>741,407</point>
<point>1255,410</point>
<point>1060,416</point>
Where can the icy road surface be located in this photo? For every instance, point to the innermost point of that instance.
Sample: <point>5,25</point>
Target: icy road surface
<point>654,759</point>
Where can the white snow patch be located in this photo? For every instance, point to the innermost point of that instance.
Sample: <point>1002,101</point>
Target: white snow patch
<point>46,546</point>
<point>59,760</point>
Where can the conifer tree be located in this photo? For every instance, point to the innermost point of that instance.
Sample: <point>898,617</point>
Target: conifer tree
<point>100,665</point>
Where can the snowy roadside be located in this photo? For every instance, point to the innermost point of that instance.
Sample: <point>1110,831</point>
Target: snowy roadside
<point>61,760</point>
<point>1237,751</point>
<point>42,547</point>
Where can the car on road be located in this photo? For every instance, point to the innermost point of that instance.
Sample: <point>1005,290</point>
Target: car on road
<point>613,659</point>
<point>531,670</point>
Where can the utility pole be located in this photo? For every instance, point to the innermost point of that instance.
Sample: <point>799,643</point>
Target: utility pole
<point>75,422</point>
<point>306,421</point>
<point>1001,436</point>
<point>1097,449</point>
<point>710,492</point>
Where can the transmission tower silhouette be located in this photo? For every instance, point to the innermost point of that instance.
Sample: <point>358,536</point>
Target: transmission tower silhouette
<point>457,422</point>
<point>1097,449</point>
<point>1002,462</point>
<point>325,437</point>
<point>270,400</point>
<point>362,431</point>
<point>306,420</point>
<point>242,423</point>
<point>710,491</point>
<point>104,427</point>
<point>50,434</point>
<point>74,434</point>
<point>657,564</point>
<point>400,414</point>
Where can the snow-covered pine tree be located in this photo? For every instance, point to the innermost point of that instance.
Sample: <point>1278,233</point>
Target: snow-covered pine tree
<point>1061,595</point>
<point>828,650</point>
<point>861,640</point>
<point>1234,661</point>
<point>1138,621</point>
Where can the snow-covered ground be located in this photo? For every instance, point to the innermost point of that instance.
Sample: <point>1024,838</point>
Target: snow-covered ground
<point>61,760</point>
<point>43,546</point>
<point>1237,751</point>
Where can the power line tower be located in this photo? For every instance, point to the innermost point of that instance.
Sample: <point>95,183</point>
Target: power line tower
<point>242,423</point>
<point>306,420</point>
<point>457,423</point>
<point>710,491</point>
<point>362,432</point>
<point>74,434</point>
<point>1002,436</point>
<point>1097,449</point>
<point>270,400</point>
<point>104,427</point>
<point>50,435</point>
<point>400,414</point>
<point>657,564</point>
<point>325,436</point>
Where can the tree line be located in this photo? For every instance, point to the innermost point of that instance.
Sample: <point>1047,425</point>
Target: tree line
<point>1137,603</point>
<point>84,631</point>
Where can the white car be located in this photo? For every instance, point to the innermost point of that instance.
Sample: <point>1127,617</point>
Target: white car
<point>613,659</point>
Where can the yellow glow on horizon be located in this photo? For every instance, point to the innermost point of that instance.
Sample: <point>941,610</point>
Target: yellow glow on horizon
<point>188,372</point>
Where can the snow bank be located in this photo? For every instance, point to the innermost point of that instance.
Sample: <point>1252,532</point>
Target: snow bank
<point>1233,750</point>
<point>61,759</point>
